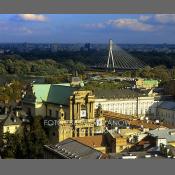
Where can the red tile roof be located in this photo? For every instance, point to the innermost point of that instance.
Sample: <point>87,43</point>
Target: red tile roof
<point>92,141</point>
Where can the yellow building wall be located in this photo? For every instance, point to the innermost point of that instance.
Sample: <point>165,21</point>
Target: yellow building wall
<point>119,145</point>
<point>172,143</point>
<point>102,149</point>
<point>64,133</point>
<point>55,108</point>
<point>11,129</point>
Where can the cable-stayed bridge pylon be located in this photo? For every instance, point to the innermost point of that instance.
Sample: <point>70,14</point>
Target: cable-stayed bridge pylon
<point>119,59</point>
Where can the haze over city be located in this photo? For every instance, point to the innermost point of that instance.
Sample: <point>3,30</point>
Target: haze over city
<point>81,28</point>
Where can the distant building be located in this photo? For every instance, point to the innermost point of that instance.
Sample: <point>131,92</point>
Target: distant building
<point>54,48</point>
<point>119,140</point>
<point>2,51</point>
<point>11,124</point>
<point>126,102</point>
<point>163,136</point>
<point>166,112</point>
<point>76,81</point>
<point>117,144</point>
<point>146,84</point>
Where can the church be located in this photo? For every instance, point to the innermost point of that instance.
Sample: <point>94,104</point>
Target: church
<point>71,107</point>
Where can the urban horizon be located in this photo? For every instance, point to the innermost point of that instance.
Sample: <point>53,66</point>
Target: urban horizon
<point>93,28</point>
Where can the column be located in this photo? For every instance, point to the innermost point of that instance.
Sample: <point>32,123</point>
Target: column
<point>88,110</point>
<point>70,110</point>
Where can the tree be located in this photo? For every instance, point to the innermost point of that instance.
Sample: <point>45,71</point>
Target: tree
<point>11,92</point>
<point>127,74</point>
<point>146,72</point>
<point>70,65</point>
<point>80,67</point>
<point>9,146</point>
<point>2,69</point>
<point>26,143</point>
<point>36,139</point>
<point>170,87</point>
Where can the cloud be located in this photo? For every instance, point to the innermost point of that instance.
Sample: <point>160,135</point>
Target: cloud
<point>25,30</point>
<point>32,17</point>
<point>144,18</point>
<point>165,18</point>
<point>12,28</point>
<point>132,24</point>
<point>94,26</point>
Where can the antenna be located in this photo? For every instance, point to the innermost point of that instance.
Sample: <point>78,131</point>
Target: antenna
<point>110,56</point>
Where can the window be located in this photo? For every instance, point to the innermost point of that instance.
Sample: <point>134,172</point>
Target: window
<point>121,147</point>
<point>78,132</point>
<point>90,131</point>
<point>50,112</point>
<point>86,132</point>
<point>83,113</point>
<point>56,114</point>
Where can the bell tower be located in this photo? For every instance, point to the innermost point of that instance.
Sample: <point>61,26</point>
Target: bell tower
<point>61,113</point>
<point>65,127</point>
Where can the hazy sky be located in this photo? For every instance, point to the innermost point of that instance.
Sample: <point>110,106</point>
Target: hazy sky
<point>94,28</point>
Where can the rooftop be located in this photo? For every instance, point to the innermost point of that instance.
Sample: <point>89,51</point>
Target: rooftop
<point>168,134</point>
<point>12,120</point>
<point>53,93</point>
<point>73,149</point>
<point>116,93</point>
<point>92,141</point>
<point>131,121</point>
<point>123,132</point>
<point>170,105</point>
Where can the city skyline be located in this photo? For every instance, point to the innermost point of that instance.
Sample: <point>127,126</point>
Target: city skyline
<point>93,28</point>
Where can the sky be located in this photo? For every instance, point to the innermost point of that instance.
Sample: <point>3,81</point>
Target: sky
<point>93,28</point>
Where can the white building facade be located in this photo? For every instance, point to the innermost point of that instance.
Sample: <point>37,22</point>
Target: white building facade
<point>140,106</point>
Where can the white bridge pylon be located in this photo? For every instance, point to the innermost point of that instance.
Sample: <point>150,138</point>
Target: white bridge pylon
<point>120,59</point>
<point>110,56</point>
